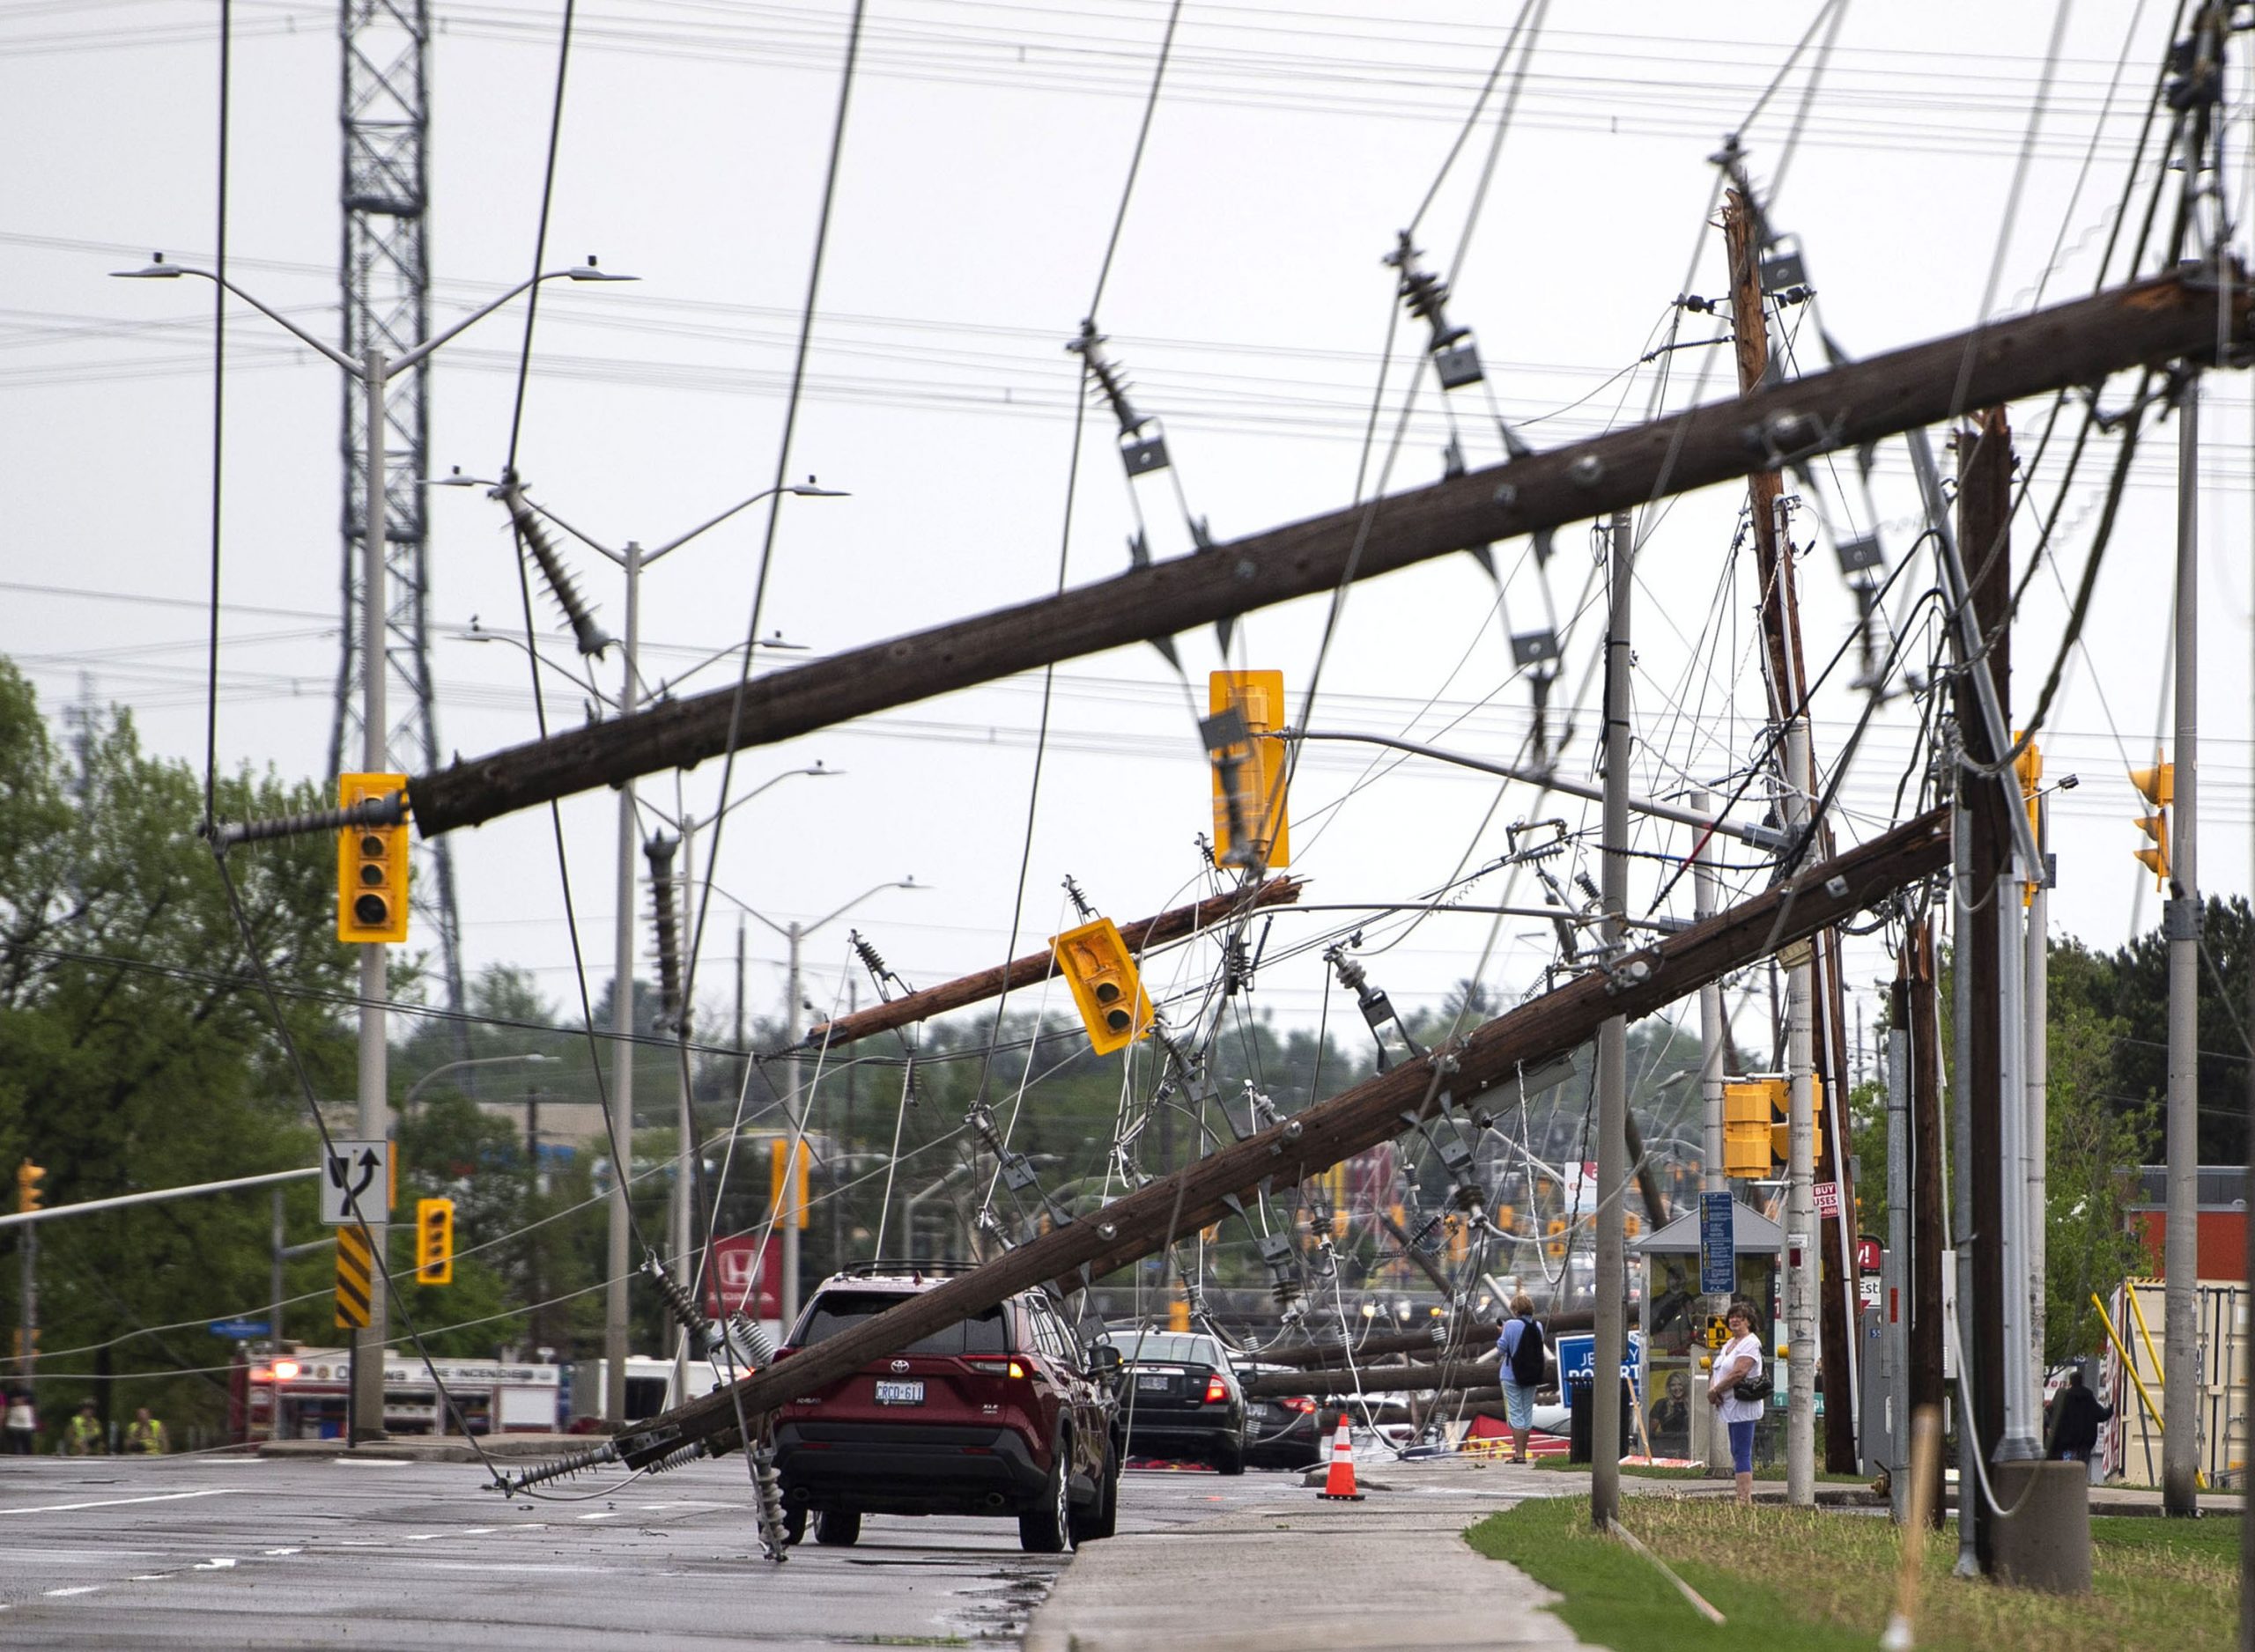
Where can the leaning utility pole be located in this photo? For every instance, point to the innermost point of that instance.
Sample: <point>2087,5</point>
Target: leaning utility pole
<point>1430,1087</point>
<point>1924,1384</point>
<point>620,1118</point>
<point>2181,922</point>
<point>1611,1283</point>
<point>1786,675</point>
<point>385,272</point>
<point>2170,317</point>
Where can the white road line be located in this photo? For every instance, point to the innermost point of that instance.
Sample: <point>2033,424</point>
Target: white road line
<point>281,1550</point>
<point>425,1536</point>
<point>82,1588</point>
<point>604,1514</point>
<point>216,1563</point>
<point>479,1531</point>
<point>119,1502</point>
<point>150,1577</point>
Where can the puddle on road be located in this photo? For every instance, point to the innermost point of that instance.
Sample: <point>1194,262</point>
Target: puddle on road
<point>997,1608</point>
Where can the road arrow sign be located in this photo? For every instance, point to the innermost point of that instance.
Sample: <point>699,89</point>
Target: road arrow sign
<point>356,1177</point>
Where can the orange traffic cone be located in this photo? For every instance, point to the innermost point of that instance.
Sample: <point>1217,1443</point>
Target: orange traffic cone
<point>1339,1485</point>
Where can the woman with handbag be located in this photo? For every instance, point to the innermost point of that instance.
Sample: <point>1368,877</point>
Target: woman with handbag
<point>1738,1368</point>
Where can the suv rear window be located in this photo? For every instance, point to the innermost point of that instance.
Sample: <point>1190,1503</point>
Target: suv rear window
<point>1172,1346</point>
<point>834,1311</point>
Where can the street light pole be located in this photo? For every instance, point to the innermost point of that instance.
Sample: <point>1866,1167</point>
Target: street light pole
<point>376,370</point>
<point>367,1385</point>
<point>621,1120</point>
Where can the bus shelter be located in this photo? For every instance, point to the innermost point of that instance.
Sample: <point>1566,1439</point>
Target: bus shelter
<point>1682,1326</point>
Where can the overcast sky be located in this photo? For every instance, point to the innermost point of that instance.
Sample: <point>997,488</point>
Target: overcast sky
<point>983,157</point>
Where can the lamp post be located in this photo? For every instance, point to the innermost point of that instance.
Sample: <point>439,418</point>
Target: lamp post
<point>793,933</point>
<point>376,370</point>
<point>632,559</point>
<point>530,1058</point>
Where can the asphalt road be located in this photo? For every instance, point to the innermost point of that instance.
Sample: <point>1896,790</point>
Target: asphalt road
<point>226,1552</point>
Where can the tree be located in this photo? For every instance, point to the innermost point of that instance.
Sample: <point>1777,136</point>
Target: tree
<point>138,1049</point>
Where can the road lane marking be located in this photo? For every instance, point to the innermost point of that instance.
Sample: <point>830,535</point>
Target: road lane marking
<point>604,1514</point>
<point>119,1502</point>
<point>82,1588</point>
<point>281,1550</point>
<point>216,1563</point>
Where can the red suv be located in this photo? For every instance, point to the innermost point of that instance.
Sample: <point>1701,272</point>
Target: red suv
<point>1003,1413</point>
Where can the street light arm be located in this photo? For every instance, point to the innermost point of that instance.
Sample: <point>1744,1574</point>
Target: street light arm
<point>532,1057</point>
<point>162,269</point>
<point>896,883</point>
<point>676,542</point>
<point>408,358</point>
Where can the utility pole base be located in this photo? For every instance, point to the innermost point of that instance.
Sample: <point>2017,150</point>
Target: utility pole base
<point>2046,1544</point>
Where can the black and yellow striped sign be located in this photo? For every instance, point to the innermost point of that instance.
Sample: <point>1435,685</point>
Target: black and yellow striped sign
<point>355,1271</point>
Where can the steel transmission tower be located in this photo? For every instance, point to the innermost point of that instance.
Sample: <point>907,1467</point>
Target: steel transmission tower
<point>385,272</point>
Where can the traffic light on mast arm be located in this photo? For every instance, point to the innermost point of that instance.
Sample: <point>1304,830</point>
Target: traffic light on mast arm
<point>435,1242</point>
<point>28,1177</point>
<point>370,866</point>
<point>1106,990</point>
<point>2158,787</point>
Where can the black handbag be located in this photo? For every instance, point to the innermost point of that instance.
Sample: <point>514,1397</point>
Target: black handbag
<point>1755,1387</point>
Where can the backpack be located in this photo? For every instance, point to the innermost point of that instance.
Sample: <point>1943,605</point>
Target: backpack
<point>1528,1365</point>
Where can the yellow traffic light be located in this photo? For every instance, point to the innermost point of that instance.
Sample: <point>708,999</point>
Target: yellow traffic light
<point>1748,1107</point>
<point>1554,1246</point>
<point>28,1177</point>
<point>1106,989</point>
<point>370,866</point>
<point>2158,787</point>
<point>1250,775</point>
<point>791,1207</point>
<point>435,1242</point>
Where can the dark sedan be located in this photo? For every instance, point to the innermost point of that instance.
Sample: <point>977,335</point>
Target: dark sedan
<point>1286,1432</point>
<point>1178,1398</point>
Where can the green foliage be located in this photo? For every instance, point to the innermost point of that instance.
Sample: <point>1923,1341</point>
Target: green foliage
<point>136,1050</point>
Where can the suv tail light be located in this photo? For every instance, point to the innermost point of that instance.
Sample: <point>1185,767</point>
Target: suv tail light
<point>1299,1402</point>
<point>996,1367</point>
<point>1216,1389</point>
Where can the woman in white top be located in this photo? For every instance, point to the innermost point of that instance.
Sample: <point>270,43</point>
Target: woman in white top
<point>1740,1358</point>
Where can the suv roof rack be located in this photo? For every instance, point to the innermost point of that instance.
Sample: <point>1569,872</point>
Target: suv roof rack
<point>894,1266</point>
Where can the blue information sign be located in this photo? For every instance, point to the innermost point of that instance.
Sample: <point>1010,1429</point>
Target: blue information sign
<point>1717,1244</point>
<point>239,1330</point>
<point>1578,1352</point>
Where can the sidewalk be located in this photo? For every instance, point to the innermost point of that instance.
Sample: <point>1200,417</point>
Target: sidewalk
<point>1390,1571</point>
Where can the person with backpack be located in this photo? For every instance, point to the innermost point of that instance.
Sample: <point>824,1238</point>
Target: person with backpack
<point>1738,1391</point>
<point>1524,1359</point>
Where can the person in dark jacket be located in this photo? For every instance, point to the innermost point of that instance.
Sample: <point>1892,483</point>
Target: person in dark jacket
<point>2075,1416</point>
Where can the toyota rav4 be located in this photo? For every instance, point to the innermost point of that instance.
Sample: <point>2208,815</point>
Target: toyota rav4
<point>1003,1413</point>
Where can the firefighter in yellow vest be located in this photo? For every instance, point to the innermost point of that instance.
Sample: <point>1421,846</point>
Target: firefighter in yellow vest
<point>82,1436</point>
<point>145,1435</point>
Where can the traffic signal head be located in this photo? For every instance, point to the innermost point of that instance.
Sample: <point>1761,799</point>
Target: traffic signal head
<point>788,1199</point>
<point>1750,1106</point>
<point>370,866</point>
<point>435,1242</point>
<point>1106,989</point>
<point>2154,856</point>
<point>28,1177</point>
<point>1251,825</point>
<point>2157,784</point>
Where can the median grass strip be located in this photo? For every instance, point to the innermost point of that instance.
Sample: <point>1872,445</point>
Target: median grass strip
<point>1815,1581</point>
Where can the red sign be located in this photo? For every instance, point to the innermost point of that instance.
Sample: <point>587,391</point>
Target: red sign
<point>1828,1199</point>
<point>738,1279</point>
<point>1869,1254</point>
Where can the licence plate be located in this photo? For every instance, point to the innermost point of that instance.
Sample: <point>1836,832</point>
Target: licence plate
<point>1160,1383</point>
<point>899,1393</point>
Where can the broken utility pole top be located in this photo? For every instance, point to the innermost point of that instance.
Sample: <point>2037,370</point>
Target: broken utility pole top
<point>2069,344</point>
<point>1147,1220</point>
<point>1141,935</point>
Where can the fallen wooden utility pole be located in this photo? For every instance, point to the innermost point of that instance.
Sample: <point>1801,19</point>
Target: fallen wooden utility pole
<point>1480,1334</point>
<point>1371,1379</point>
<point>1036,966</point>
<point>2074,343</point>
<point>1147,1219</point>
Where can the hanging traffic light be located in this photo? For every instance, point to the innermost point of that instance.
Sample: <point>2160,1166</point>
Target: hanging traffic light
<point>370,866</point>
<point>787,1197</point>
<point>2158,787</point>
<point>28,1177</point>
<point>1748,1107</point>
<point>1106,990</point>
<point>1251,825</point>
<point>435,1242</point>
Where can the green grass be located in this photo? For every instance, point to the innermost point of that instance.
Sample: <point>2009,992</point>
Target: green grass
<point>1810,1580</point>
<point>1769,1471</point>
